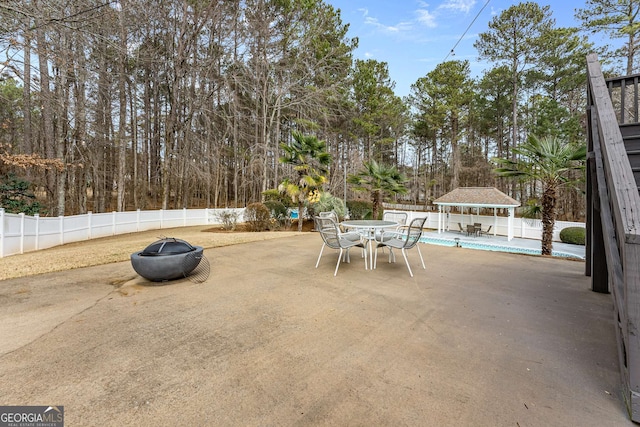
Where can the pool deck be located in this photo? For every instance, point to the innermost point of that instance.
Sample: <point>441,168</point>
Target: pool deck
<point>515,243</point>
<point>477,338</point>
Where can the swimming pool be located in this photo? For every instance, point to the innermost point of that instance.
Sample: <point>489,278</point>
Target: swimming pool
<point>497,248</point>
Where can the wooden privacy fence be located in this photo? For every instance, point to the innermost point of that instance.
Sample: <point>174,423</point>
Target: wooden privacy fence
<point>613,216</point>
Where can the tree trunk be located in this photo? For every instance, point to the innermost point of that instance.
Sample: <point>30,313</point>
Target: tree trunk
<point>80,133</point>
<point>514,118</point>
<point>26,93</point>
<point>548,218</point>
<point>456,163</point>
<point>630,54</point>
<point>122,101</point>
<point>300,218</point>
<point>376,198</point>
<point>61,130</point>
<point>134,146</point>
<point>46,106</point>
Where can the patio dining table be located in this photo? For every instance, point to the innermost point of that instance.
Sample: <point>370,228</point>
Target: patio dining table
<point>367,229</point>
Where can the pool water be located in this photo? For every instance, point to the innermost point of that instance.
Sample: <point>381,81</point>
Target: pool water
<point>497,248</point>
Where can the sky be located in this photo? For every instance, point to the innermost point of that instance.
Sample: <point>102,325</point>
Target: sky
<point>414,36</point>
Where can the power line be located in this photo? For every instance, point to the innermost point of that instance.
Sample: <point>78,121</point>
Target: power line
<point>465,32</point>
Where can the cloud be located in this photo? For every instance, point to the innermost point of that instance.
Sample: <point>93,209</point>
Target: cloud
<point>426,18</point>
<point>374,22</point>
<point>369,20</point>
<point>464,6</point>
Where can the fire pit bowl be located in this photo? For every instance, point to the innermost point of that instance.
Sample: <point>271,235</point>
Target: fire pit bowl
<point>166,259</point>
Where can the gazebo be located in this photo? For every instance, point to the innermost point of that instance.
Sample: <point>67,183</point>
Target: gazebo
<point>477,197</point>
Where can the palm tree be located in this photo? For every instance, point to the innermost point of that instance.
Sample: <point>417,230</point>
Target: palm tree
<point>310,162</point>
<point>379,180</point>
<point>548,160</point>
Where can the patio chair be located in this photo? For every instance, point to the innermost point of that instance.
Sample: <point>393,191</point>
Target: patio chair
<point>405,240</point>
<point>399,217</point>
<point>335,239</point>
<point>460,227</point>
<point>486,232</point>
<point>472,230</point>
<point>334,216</point>
<point>329,214</point>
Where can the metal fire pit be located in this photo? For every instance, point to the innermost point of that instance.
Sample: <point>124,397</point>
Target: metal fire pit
<point>166,259</point>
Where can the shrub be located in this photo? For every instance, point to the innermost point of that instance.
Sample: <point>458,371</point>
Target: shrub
<point>328,202</point>
<point>276,208</point>
<point>276,196</point>
<point>359,209</point>
<point>257,216</point>
<point>16,196</point>
<point>573,235</point>
<point>279,214</point>
<point>228,219</point>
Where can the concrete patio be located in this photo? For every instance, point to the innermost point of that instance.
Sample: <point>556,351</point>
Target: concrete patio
<point>479,338</point>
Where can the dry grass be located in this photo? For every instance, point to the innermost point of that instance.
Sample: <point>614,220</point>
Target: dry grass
<point>119,248</point>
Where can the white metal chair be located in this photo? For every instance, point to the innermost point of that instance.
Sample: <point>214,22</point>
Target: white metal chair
<point>399,217</point>
<point>403,240</point>
<point>329,214</point>
<point>334,216</point>
<point>335,239</point>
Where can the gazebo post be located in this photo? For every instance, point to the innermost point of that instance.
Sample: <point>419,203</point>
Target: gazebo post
<point>510,224</point>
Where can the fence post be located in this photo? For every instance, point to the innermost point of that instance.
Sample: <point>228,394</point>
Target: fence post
<point>184,217</point>
<point>37,218</point>
<point>21,214</point>
<point>90,220</point>
<point>161,219</point>
<point>113,223</point>
<point>61,229</point>
<point>137,219</point>
<point>1,232</point>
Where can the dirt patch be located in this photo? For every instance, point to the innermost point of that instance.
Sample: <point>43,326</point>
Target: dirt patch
<point>118,248</point>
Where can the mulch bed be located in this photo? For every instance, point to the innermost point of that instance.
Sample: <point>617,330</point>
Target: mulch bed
<point>243,228</point>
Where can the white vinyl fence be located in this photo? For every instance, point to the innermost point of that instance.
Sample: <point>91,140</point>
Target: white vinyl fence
<point>522,227</point>
<point>20,233</point>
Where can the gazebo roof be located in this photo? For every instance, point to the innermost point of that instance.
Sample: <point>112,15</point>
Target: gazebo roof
<point>482,197</point>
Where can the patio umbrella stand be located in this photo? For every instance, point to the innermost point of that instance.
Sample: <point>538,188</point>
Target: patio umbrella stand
<point>170,258</point>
